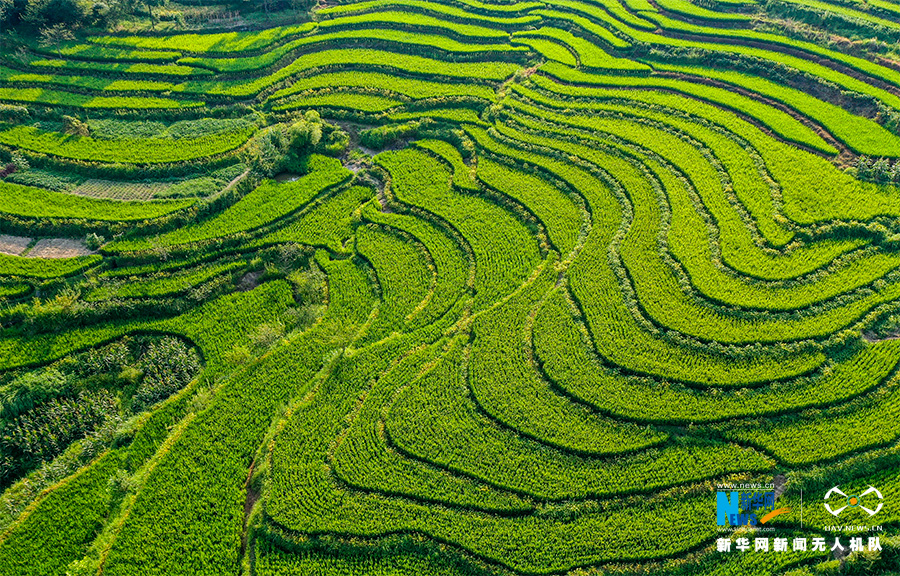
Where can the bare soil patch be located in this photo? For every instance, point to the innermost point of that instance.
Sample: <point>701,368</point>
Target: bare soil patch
<point>249,281</point>
<point>287,177</point>
<point>13,245</point>
<point>59,248</point>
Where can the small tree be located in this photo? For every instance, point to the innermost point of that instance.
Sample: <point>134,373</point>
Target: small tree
<point>6,8</point>
<point>20,161</point>
<point>895,172</point>
<point>94,241</point>
<point>55,35</point>
<point>881,170</point>
<point>150,4</point>
<point>863,167</point>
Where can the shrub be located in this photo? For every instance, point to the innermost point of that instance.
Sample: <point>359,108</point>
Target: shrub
<point>75,127</point>
<point>267,335</point>
<point>94,241</point>
<point>13,113</point>
<point>30,390</point>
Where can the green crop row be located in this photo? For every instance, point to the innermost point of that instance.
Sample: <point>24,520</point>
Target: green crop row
<point>70,535</point>
<point>866,67</point>
<point>304,496</point>
<point>378,81</point>
<point>108,53</point>
<point>60,538</point>
<point>207,504</point>
<point>740,166</point>
<point>589,27</point>
<point>135,151</point>
<point>364,459</point>
<point>272,560</point>
<point>414,20</point>
<point>169,265</point>
<point>60,525</point>
<point>562,217</point>
<point>200,325</point>
<point>507,386</point>
<point>661,295</point>
<point>451,269</point>
<point>611,12</point>
<point>44,267</point>
<point>817,435</point>
<point>489,71</point>
<point>691,10</point>
<point>38,203</point>
<point>14,290</point>
<point>328,224</point>
<point>589,55</point>
<point>418,65</point>
<point>18,77</point>
<point>804,65</point>
<point>618,335</point>
<point>405,280</point>
<point>812,189</point>
<point>657,286</point>
<point>689,240</point>
<point>690,245</point>
<point>268,202</point>
<point>344,100</point>
<point>859,134</point>
<point>751,186</point>
<point>548,49</point>
<point>560,347</point>
<point>505,252</point>
<point>79,66</point>
<point>410,40</point>
<point>736,238</point>
<point>773,118</point>
<point>475,5</point>
<point>435,421</point>
<point>452,115</point>
<point>46,538</point>
<point>214,42</point>
<point>60,98</point>
<point>463,174</point>
<point>445,10</point>
<point>624,10</point>
<point>276,559</point>
<point>160,286</point>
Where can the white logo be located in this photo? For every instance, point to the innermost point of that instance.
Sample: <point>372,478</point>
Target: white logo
<point>853,501</point>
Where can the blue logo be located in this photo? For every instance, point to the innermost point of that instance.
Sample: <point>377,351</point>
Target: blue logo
<point>741,508</point>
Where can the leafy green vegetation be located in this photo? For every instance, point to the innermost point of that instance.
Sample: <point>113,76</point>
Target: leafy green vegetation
<point>37,203</point>
<point>459,288</point>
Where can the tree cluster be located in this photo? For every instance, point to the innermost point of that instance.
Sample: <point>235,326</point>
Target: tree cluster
<point>57,18</point>
<point>284,146</point>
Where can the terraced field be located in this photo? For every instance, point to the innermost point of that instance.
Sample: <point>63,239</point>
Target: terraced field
<point>451,288</point>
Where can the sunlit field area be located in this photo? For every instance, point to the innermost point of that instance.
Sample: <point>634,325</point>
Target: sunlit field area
<point>451,288</point>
